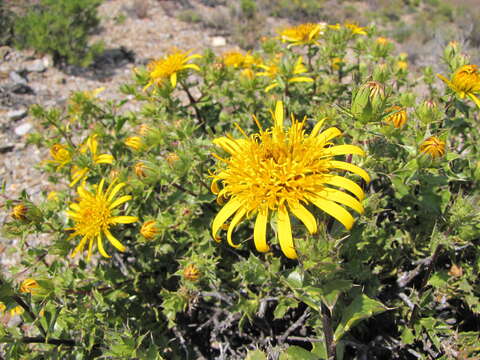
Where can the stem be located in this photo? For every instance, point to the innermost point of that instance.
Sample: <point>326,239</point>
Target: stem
<point>40,340</point>
<point>193,103</point>
<point>27,309</point>
<point>328,332</point>
<point>430,267</point>
<point>63,133</point>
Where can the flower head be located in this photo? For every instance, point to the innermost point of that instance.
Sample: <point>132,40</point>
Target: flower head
<point>169,67</point>
<point>29,286</point>
<point>172,158</point>
<point>94,214</point>
<point>355,29</point>
<point>140,169</point>
<point>273,70</point>
<point>233,58</point>
<point>149,229</point>
<point>280,171</point>
<point>90,145</point>
<point>433,146</point>
<point>19,212</point>
<point>191,272</point>
<point>303,34</point>
<point>134,142</point>
<point>465,82</point>
<point>17,310</point>
<point>60,154</point>
<point>398,117</point>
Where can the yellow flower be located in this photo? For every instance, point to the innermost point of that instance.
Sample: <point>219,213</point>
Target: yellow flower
<point>17,310</point>
<point>398,117</point>
<point>144,129</point>
<point>355,29</point>
<point>382,41</point>
<point>465,82</point>
<point>169,67</point>
<point>191,272</point>
<point>273,70</point>
<point>303,34</point>
<point>19,212</point>
<point>248,73</point>
<point>91,145</point>
<point>139,169</point>
<point>433,146</point>
<point>134,142</point>
<point>172,158</point>
<point>401,65</point>
<point>93,216</point>
<point>52,196</point>
<point>149,229</point>
<point>336,63</point>
<point>29,286</point>
<point>61,156</point>
<point>278,171</point>
<point>233,58</point>
<point>336,27</point>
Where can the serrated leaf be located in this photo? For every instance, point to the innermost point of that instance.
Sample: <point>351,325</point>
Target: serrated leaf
<point>256,355</point>
<point>361,308</point>
<point>297,353</point>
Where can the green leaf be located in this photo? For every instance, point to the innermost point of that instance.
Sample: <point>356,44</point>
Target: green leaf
<point>297,353</point>
<point>320,350</point>
<point>361,308</point>
<point>332,290</point>
<point>256,355</point>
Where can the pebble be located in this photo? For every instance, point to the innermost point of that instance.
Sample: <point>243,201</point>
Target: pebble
<point>16,115</point>
<point>218,41</point>
<point>36,66</point>
<point>17,78</point>
<point>23,129</point>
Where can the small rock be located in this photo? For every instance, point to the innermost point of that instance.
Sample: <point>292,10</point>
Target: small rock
<point>16,115</point>
<point>22,89</point>
<point>36,66</point>
<point>47,61</point>
<point>23,129</point>
<point>218,41</point>
<point>17,78</point>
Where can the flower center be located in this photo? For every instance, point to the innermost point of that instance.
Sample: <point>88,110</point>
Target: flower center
<point>94,216</point>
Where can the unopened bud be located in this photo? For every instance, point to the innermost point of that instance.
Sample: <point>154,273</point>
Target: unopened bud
<point>191,272</point>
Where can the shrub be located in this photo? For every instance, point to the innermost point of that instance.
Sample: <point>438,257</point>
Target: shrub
<point>6,24</point>
<point>60,28</point>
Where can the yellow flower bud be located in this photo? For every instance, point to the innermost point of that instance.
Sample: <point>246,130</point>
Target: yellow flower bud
<point>172,158</point>
<point>134,142</point>
<point>139,169</point>
<point>149,229</point>
<point>144,129</point>
<point>29,286</point>
<point>433,146</point>
<point>19,212</point>
<point>398,118</point>
<point>191,272</point>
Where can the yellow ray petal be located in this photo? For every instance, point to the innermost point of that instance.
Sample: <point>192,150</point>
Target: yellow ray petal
<point>228,209</point>
<point>100,186</point>
<point>229,145</point>
<point>90,246</point>
<point>236,219</point>
<point>334,210</point>
<point>80,246</point>
<point>342,198</point>
<point>285,233</point>
<point>475,99</point>
<point>344,150</point>
<point>272,86</point>
<point>260,231</point>
<point>349,167</point>
<point>325,135</point>
<point>278,121</point>
<point>191,66</point>
<point>120,201</point>
<point>113,240</point>
<point>300,79</point>
<point>104,159</point>
<point>100,246</point>
<point>112,192</point>
<point>305,217</point>
<point>173,79</point>
<point>123,219</point>
<point>347,184</point>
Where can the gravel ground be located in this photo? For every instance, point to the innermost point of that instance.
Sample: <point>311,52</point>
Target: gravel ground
<point>133,32</point>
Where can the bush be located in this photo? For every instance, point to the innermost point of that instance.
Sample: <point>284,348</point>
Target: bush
<point>367,171</point>
<point>60,28</point>
<point>6,24</point>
